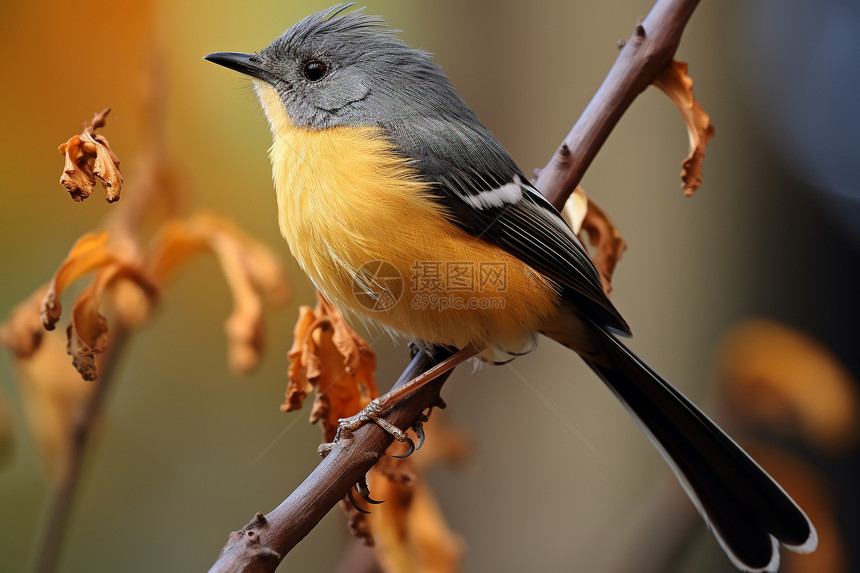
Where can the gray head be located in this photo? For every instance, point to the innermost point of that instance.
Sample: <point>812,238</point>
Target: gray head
<point>335,68</point>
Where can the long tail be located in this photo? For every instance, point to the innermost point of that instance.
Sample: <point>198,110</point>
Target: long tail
<point>749,513</point>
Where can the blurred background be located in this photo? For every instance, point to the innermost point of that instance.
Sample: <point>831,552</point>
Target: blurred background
<point>560,478</point>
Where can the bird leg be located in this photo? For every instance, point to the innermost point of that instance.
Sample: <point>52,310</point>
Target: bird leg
<point>380,406</point>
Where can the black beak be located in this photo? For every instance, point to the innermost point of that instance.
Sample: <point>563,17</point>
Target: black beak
<point>247,64</point>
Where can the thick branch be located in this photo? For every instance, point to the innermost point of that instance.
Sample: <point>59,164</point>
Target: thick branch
<point>262,544</point>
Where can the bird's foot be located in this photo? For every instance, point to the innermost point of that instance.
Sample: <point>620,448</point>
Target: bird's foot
<point>373,412</point>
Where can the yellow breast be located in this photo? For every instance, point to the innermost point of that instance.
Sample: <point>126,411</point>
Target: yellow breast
<point>367,232</point>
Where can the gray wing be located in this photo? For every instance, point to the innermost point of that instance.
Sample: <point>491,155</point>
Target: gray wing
<point>485,194</point>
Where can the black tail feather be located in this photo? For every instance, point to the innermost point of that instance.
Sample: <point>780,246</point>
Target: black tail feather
<point>746,509</point>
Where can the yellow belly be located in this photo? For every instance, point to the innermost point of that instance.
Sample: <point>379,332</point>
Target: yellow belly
<point>374,242</point>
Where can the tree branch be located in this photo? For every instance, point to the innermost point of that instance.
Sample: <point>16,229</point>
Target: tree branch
<point>262,544</point>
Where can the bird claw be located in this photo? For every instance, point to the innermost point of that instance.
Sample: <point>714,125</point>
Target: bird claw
<point>364,491</point>
<point>408,452</point>
<point>418,428</point>
<point>355,505</point>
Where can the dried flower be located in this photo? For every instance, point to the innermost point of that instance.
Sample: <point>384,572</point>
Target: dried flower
<point>88,156</point>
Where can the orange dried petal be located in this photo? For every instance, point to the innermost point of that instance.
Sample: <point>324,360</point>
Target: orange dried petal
<point>78,177</point>
<point>88,329</point>
<point>298,386</point>
<point>83,355</point>
<point>262,265</point>
<point>676,84</point>
<point>89,253</point>
<point>89,156</point>
<point>334,381</point>
<point>106,167</point>
<point>244,327</point>
<point>181,239</point>
<point>358,357</point>
<point>575,209</point>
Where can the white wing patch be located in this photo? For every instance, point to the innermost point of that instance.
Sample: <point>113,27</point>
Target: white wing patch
<point>498,197</point>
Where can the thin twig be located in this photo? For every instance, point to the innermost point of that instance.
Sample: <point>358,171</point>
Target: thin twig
<point>261,545</point>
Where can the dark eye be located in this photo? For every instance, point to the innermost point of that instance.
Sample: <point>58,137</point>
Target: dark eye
<point>314,70</point>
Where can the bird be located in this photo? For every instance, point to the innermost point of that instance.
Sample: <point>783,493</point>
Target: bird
<point>407,213</point>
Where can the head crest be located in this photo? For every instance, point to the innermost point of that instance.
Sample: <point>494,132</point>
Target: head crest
<point>333,22</point>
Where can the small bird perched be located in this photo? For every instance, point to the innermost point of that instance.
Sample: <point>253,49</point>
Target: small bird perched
<point>382,172</point>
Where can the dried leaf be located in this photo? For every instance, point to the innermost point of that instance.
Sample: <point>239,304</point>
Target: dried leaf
<point>575,209</point>
<point>89,253</point>
<point>583,214</point>
<point>89,156</point>
<point>248,267</point>
<point>83,355</point>
<point>244,326</point>
<point>331,357</point>
<point>106,167</point>
<point>88,330</point>
<point>351,347</point>
<point>298,386</point>
<point>78,177</point>
<point>782,378</point>
<point>607,239</point>
<point>676,84</point>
